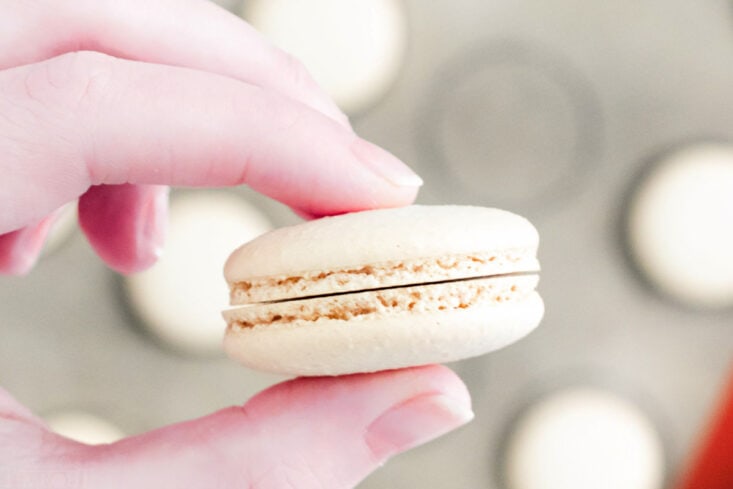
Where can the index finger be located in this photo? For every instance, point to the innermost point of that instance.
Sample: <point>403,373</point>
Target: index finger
<point>87,119</point>
<point>187,33</point>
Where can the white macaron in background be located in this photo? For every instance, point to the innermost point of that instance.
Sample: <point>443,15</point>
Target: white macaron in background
<point>83,426</point>
<point>680,225</point>
<point>353,48</point>
<point>62,228</point>
<point>179,298</point>
<point>581,437</point>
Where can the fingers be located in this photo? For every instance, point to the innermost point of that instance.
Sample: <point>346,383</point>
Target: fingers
<point>86,119</point>
<point>125,224</point>
<point>188,33</point>
<point>325,433</point>
<point>19,250</point>
<point>306,433</point>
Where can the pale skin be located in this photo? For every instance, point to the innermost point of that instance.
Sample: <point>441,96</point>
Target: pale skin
<point>109,102</point>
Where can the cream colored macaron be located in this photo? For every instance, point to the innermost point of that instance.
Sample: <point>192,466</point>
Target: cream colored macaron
<point>382,289</point>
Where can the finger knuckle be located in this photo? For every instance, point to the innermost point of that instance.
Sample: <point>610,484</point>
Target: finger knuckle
<point>73,81</point>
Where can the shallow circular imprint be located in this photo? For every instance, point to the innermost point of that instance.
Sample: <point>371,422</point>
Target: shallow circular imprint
<point>510,125</point>
<point>680,225</point>
<point>83,427</point>
<point>580,438</point>
<point>180,298</point>
<point>353,48</point>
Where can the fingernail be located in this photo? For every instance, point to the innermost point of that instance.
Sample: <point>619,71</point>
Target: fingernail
<point>384,164</point>
<point>415,422</point>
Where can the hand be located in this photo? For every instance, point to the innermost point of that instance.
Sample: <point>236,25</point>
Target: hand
<point>305,434</point>
<point>109,101</point>
<point>178,92</point>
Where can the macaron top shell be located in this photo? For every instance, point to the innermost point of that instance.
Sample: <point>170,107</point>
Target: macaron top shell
<point>381,248</point>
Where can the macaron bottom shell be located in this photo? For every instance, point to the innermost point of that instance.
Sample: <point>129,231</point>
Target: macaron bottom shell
<point>373,342</point>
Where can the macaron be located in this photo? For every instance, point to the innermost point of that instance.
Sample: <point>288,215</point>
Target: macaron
<point>382,289</point>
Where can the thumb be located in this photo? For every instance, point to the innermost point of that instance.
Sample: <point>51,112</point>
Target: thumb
<point>331,433</point>
<point>306,433</point>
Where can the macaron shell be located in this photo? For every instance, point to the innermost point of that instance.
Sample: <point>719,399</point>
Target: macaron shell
<point>337,347</point>
<point>380,236</point>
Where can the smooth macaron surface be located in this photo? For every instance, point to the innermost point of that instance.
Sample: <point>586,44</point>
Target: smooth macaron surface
<point>380,248</point>
<point>382,289</point>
